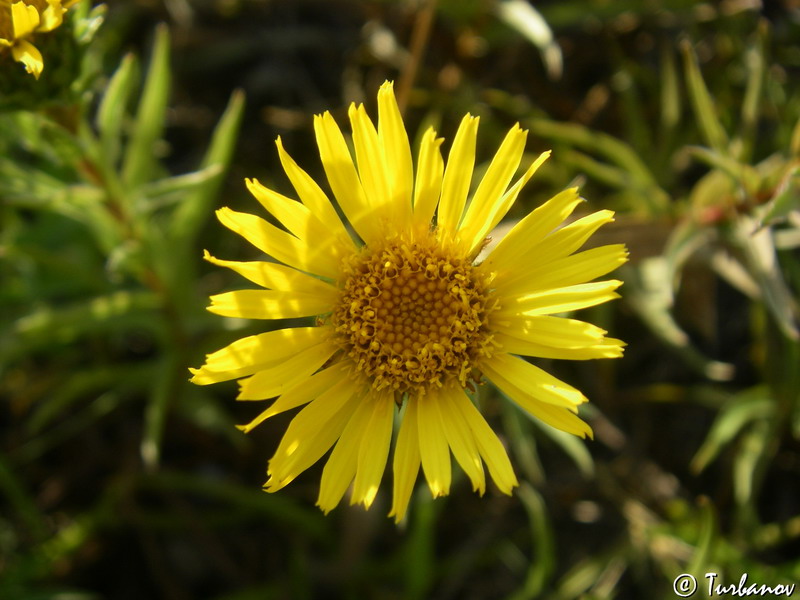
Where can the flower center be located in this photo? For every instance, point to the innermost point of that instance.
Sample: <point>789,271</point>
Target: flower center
<point>413,316</point>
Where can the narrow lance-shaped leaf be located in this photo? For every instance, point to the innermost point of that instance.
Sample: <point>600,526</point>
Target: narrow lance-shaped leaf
<point>733,418</point>
<point>785,200</point>
<point>162,390</point>
<point>111,113</point>
<point>743,174</point>
<point>649,293</point>
<point>543,566</point>
<point>573,446</point>
<point>171,190</point>
<point>522,16</point>
<point>760,258</point>
<point>705,541</point>
<point>750,462</point>
<point>196,206</point>
<point>47,326</point>
<point>139,162</point>
<point>756,65</point>
<point>655,199</point>
<point>794,144</point>
<point>703,103</point>
<point>670,92</point>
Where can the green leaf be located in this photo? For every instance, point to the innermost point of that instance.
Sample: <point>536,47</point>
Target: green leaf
<point>209,413</point>
<point>161,393</point>
<point>278,509</point>
<point>420,557</point>
<point>638,175</point>
<point>524,18</point>
<point>794,144</point>
<point>522,442</point>
<point>112,110</point>
<point>670,90</point>
<point>748,462</point>
<point>139,162</point>
<point>47,325</point>
<point>685,240</point>
<point>169,190</point>
<point>756,67</point>
<point>542,563</point>
<point>649,292</point>
<point>702,102</point>
<point>702,554</point>
<point>751,405</point>
<point>759,257</point>
<point>743,174</point>
<point>21,502</point>
<point>78,386</point>
<point>86,418</point>
<point>785,200</point>
<point>196,207</point>
<point>87,20</point>
<point>573,446</point>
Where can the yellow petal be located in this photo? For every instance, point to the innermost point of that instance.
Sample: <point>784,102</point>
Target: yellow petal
<point>405,466</point>
<point>559,332</point>
<point>568,270</point>
<point>341,467</point>
<point>52,16</point>
<point>301,393</point>
<point>295,216</point>
<point>428,185</point>
<point>311,194</point>
<point>511,372</point>
<point>571,237</point>
<point>343,178</point>
<point>490,447</point>
<point>461,439</point>
<point>515,342</point>
<point>312,258</point>
<point>458,176</point>
<point>279,378</point>
<point>369,157</point>
<point>487,203</point>
<point>555,416</point>
<point>269,304</point>
<point>396,152</point>
<point>273,276</point>
<point>560,300</point>
<point>26,53</point>
<point>531,230</point>
<point>311,433</point>
<point>253,353</point>
<point>25,20</point>
<point>374,449</point>
<point>433,448</point>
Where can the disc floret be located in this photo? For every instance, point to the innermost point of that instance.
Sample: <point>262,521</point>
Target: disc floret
<point>413,315</point>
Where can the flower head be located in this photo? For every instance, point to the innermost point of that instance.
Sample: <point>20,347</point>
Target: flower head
<point>407,322</point>
<point>20,20</point>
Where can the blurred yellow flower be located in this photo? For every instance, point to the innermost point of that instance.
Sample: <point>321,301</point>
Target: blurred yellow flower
<point>19,21</point>
<point>407,322</point>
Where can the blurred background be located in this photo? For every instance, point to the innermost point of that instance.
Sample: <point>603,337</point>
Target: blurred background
<point>120,480</point>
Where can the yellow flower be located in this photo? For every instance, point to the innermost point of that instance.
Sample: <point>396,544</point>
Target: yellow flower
<point>20,20</point>
<point>406,322</point>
